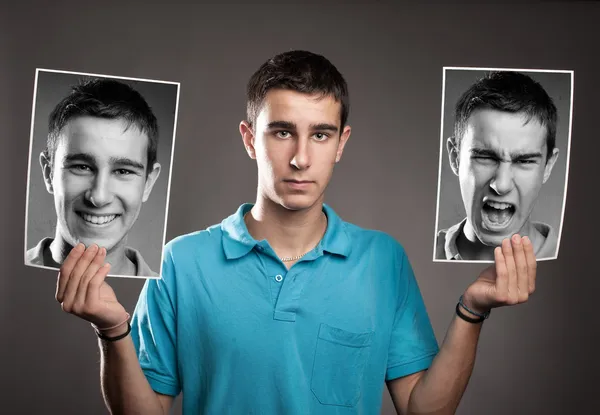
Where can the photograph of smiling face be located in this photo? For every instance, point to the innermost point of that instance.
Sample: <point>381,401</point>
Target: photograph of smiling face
<point>100,163</point>
<point>99,181</point>
<point>502,163</point>
<point>504,152</point>
<point>297,142</point>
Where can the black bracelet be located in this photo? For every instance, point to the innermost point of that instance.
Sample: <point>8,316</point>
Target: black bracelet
<point>484,315</point>
<point>467,318</point>
<point>114,339</point>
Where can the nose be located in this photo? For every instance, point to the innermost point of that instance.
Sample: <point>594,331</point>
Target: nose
<point>301,159</point>
<point>99,194</point>
<point>503,182</point>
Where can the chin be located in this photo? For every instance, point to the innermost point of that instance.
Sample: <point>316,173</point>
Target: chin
<point>102,243</point>
<point>297,202</point>
<point>493,240</point>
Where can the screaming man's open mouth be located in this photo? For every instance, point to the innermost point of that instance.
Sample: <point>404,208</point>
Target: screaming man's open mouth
<point>497,215</point>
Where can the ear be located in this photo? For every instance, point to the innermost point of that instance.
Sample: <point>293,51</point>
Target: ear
<point>550,164</point>
<point>453,154</point>
<point>150,180</point>
<point>46,166</point>
<point>342,143</point>
<point>248,138</point>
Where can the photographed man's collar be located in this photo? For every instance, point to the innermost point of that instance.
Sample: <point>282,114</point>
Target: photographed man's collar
<point>238,242</point>
<point>142,267</point>
<point>451,236</point>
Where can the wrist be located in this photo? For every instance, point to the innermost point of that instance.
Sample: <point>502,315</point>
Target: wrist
<point>116,331</point>
<point>468,314</point>
<point>113,332</point>
<point>472,307</point>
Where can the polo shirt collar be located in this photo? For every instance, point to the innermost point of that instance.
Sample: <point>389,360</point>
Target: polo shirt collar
<point>238,242</point>
<point>452,234</point>
<point>336,239</point>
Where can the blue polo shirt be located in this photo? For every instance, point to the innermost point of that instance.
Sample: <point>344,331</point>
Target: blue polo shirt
<point>237,333</point>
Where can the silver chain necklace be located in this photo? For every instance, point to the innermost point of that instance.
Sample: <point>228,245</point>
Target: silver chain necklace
<point>292,258</point>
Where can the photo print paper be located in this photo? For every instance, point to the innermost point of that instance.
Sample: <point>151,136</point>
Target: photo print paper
<point>100,162</point>
<point>503,162</point>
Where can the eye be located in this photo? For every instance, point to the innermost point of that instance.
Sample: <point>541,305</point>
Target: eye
<point>80,168</point>
<point>283,134</point>
<point>526,161</point>
<point>321,136</point>
<point>484,159</point>
<point>124,172</point>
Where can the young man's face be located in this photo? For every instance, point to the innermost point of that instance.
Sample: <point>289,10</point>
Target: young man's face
<point>501,168</point>
<point>296,141</point>
<point>98,179</point>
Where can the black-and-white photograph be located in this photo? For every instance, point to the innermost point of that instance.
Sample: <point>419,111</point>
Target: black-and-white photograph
<point>504,160</point>
<point>100,162</point>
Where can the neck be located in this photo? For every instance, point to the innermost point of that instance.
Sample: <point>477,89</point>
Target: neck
<point>471,247</point>
<point>289,232</point>
<point>116,257</point>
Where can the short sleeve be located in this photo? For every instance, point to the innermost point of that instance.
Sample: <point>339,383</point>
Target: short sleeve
<point>153,330</point>
<point>413,345</point>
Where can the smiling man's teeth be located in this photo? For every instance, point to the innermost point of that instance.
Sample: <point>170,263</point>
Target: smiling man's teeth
<point>500,206</point>
<point>98,220</point>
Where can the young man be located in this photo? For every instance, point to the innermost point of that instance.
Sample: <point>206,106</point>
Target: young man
<point>503,151</point>
<point>100,166</point>
<point>284,308</point>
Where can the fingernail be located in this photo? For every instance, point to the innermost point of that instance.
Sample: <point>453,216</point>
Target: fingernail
<point>516,238</point>
<point>526,239</point>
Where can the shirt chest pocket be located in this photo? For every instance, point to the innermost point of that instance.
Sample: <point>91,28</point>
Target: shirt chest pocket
<point>340,362</point>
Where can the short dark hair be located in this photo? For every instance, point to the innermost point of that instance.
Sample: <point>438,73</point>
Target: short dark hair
<point>512,92</point>
<point>104,98</point>
<point>300,71</point>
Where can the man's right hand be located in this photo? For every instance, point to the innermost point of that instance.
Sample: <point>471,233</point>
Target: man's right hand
<point>82,291</point>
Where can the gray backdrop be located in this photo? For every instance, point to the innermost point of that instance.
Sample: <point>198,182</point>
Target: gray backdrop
<point>549,205</point>
<point>148,233</point>
<point>536,358</point>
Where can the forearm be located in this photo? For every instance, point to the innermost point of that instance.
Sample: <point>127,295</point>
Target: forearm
<point>440,389</point>
<point>125,387</point>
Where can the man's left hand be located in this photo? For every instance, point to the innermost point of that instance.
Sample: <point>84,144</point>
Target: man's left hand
<point>510,281</point>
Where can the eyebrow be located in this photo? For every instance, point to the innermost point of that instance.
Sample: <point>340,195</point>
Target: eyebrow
<point>291,126</point>
<point>523,156</point>
<point>513,155</point>
<point>324,126</point>
<point>88,158</point>
<point>124,161</point>
<point>281,124</point>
